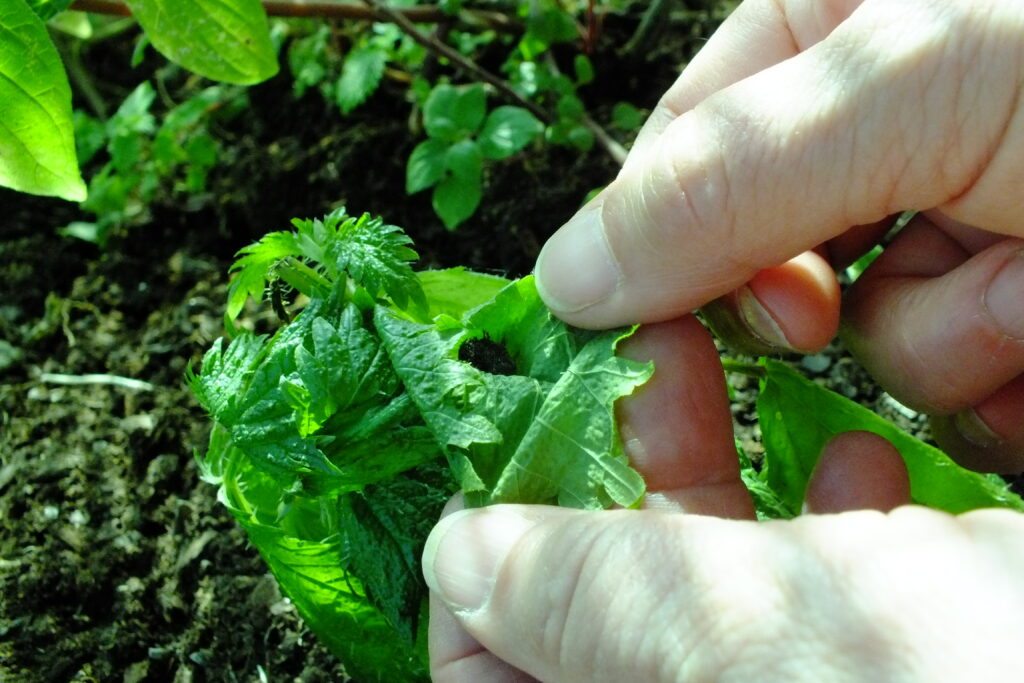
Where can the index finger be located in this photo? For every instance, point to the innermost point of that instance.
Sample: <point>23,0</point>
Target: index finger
<point>880,116</point>
<point>757,35</point>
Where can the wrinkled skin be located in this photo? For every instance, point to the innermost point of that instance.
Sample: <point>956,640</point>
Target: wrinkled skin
<point>783,151</point>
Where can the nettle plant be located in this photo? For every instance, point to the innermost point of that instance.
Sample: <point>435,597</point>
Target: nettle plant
<point>338,438</point>
<point>345,54</point>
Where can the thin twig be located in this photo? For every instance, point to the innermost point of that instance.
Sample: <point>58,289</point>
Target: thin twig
<point>113,380</point>
<point>615,150</point>
<point>439,48</point>
<point>337,10</point>
<point>610,144</point>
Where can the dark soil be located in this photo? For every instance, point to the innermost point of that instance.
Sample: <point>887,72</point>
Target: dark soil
<point>116,561</point>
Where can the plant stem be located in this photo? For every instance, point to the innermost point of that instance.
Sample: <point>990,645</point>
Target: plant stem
<point>610,144</point>
<point>340,10</point>
<point>113,380</point>
<point>743,368</point>
<point>437,47</point>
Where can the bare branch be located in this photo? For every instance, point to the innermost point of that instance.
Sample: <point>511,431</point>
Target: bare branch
<point>340,10</point>
<point>443,50</point>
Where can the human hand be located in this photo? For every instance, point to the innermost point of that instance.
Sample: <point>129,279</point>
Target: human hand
<point>538,592</point>
<point>811,125</point>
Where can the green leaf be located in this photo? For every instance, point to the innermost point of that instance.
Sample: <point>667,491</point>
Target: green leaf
<point>384,529</point>
<point>507,130</point>
<point>591,470</point>
<point>226,40</point>
<point>570,107</point>
<point>584,69</point>
<point>452,113</point>
<point>455,199</point>
<point>798,417</point>
<point>426,165</point>
<point>47,9</point>
<point>37,148</point>
<point>548,434</point>
<point>360,75</point>
<point>454,291</point>
<point>374,254</point>
<point>626,116</point>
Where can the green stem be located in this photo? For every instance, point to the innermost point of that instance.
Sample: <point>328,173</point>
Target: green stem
<point>741,367</point>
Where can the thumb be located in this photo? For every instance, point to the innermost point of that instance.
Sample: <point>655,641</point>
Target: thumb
<point>568,595</point>
<point>909,105</point>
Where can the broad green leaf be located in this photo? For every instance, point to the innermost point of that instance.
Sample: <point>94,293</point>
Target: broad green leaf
<point>426,165</point>
<point>523,437</point>
<point>464,159</point>
<point>37,148</point>
<point>507,130</point>
<point>456,197</point>
<point>576,422</point>
<point>47,9</point>
<point>584,69</point>
<point>226,40</point>
<point>392,520</point>
<point>570,107</point>
<point>452,113</point>
<point>798,417</point>
<point>360,75</point>
<point>455,291</point>
<point>626,116</point>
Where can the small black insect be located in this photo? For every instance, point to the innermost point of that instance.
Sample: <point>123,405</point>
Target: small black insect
<point>487,355</point>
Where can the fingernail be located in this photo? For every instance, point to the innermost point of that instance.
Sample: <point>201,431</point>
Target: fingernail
<point>759,321</point>
<point>465,551</point>
<point>973,429</point>
<point>575,269</point>
<point>1004,297</point>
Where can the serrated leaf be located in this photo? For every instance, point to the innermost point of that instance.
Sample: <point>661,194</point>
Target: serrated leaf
<point>591,470</point>
<point>360,75</point>
<point>523,437</point>
<point>226,40</point>
<point>37,148</point>
<point>334,604</point>
<point>507,130</point>
<point>426,165</point>
<point>384,529</point>
<point>798,417</point>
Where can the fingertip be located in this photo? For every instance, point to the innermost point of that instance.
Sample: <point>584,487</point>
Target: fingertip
<point>858,471</point>
<point>791,307</point>
<point>802,296</point>
<point>988,437</point>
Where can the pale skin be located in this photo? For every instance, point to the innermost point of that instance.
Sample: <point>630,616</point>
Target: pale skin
<point>784,150</point>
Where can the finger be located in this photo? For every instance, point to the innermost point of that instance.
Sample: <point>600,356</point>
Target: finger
<point>757,35</point>
<point>677,428</point>
<point>642,595</point>
<point>858,127</point>
<point>989,437</point>
<point>455,655</point>
<point>792,307</point>
<point>938,329</point>
<point>858,471</point>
